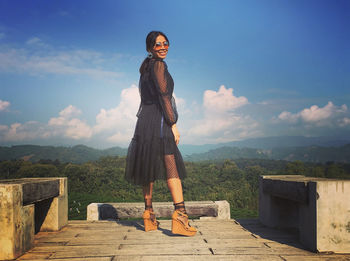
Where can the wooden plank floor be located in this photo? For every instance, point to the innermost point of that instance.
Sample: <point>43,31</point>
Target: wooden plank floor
<point>126,240</point>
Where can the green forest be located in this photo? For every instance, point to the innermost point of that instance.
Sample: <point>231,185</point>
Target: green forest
<point>103,180</point>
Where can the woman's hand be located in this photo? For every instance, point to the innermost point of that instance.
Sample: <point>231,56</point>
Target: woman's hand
<point>176,134</point>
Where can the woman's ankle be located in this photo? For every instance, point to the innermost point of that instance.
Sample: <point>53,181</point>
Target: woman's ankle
<point>180,206</point>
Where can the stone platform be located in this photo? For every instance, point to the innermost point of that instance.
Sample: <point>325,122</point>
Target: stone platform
<point>126,240</point>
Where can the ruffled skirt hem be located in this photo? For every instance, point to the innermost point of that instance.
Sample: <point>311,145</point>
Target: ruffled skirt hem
<point>153,139</point>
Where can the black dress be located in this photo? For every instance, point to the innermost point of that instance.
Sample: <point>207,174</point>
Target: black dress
<point>153,143</point>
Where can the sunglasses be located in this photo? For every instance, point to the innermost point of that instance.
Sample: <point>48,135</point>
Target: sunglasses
<point>159,45</point>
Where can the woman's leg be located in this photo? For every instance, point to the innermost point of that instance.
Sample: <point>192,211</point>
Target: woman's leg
<point>179,223</point>
<point>149,218</point>
<point>147,195</point>
<point>174,182</point>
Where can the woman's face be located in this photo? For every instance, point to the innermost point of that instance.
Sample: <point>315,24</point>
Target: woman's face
<point>160,49</point>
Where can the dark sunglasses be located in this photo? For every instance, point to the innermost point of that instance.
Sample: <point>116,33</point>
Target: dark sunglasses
<point>159,45</point>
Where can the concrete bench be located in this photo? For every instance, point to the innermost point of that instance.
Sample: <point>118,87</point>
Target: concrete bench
<point>28,206</point>
<point>319,208</point>
<point>204,209</point>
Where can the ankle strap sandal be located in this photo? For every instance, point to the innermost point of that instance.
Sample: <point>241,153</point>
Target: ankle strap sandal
<point>180,206</point>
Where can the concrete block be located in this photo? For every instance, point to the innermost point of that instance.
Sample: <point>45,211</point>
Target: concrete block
<point>104,211</point>
<point>57,215</point>
<point>333,215</point>
<point>323,220</point>
<point>27,224</point>
<point>92,212</point>
<point>224,211</point>
<point>16,222</point>
<point>19,216</point>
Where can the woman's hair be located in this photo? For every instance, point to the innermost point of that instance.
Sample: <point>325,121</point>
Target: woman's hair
<point>150,42</point>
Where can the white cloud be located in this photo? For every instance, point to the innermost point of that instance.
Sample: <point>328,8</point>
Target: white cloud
<point>4,105</point>
<point>41,61</point>
<point>223,100</point>
<point>315,115</point>
<point>115,125</point>
<point>69,126</point>
<point>344,122</point>
<point>18,132</point>
<point>288,116</point>
<point>220,122</point>
<point>35,40</point>
<point>120,121</point>
<point>70,112</point>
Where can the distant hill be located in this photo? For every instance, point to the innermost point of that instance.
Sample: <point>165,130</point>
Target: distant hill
<point>308,154</point>
<point>268,143</point>
<point>289,141</point>
<point>312,149</point>
<point>76,154</point>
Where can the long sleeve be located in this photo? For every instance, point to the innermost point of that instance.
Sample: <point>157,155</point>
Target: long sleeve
<point>167,102</point>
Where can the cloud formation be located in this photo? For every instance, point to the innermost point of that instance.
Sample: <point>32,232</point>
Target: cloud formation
<point>315,115</point>
<point>222,100</point>
<point>118,123</point>
<point>220,121</point>
<point>68,125</point>
<point>18,132</point>
<point>114,126</point>
<point>39,58</point>
<point>36,41</point>
<point>4,105</point>
<point>222,117</point>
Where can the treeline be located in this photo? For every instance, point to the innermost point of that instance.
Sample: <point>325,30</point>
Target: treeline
<point>233,180</point>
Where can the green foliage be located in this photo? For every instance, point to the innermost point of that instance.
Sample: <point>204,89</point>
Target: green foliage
<point>103,180</point>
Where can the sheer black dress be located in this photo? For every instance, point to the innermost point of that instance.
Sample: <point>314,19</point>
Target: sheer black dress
<point>153,153</point>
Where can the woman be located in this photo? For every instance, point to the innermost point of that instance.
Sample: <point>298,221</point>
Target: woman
<point>153,152</point>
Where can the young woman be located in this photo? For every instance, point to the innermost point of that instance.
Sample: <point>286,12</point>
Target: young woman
<point>153,152</point>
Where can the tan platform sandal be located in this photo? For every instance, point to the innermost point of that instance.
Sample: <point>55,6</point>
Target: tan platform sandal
<point>180,224</point>
<point>149,220</point>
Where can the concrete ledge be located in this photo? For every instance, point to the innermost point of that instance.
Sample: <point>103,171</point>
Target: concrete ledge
<point>35,189</point>
<point>319,208</point>
<point>210,209</point>
<point>27,206</point>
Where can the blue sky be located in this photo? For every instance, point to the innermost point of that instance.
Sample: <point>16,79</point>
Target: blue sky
<point>242,69</point>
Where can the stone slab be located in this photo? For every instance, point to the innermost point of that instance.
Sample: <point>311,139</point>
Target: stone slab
<point>35,189</point>
<point>113,211</point>
<point>295,190</point>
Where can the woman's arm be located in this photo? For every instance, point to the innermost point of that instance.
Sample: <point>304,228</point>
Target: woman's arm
<point>176,134</point>
<point>165,98</point>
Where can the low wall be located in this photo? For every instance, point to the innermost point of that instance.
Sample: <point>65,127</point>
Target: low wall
<point>204,209</point>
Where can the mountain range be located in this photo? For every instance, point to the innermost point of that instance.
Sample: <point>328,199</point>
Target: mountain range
<point>313,149</point>
<point>269,143</point>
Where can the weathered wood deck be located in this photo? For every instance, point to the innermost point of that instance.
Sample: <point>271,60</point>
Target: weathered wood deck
<point>126,240</point>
